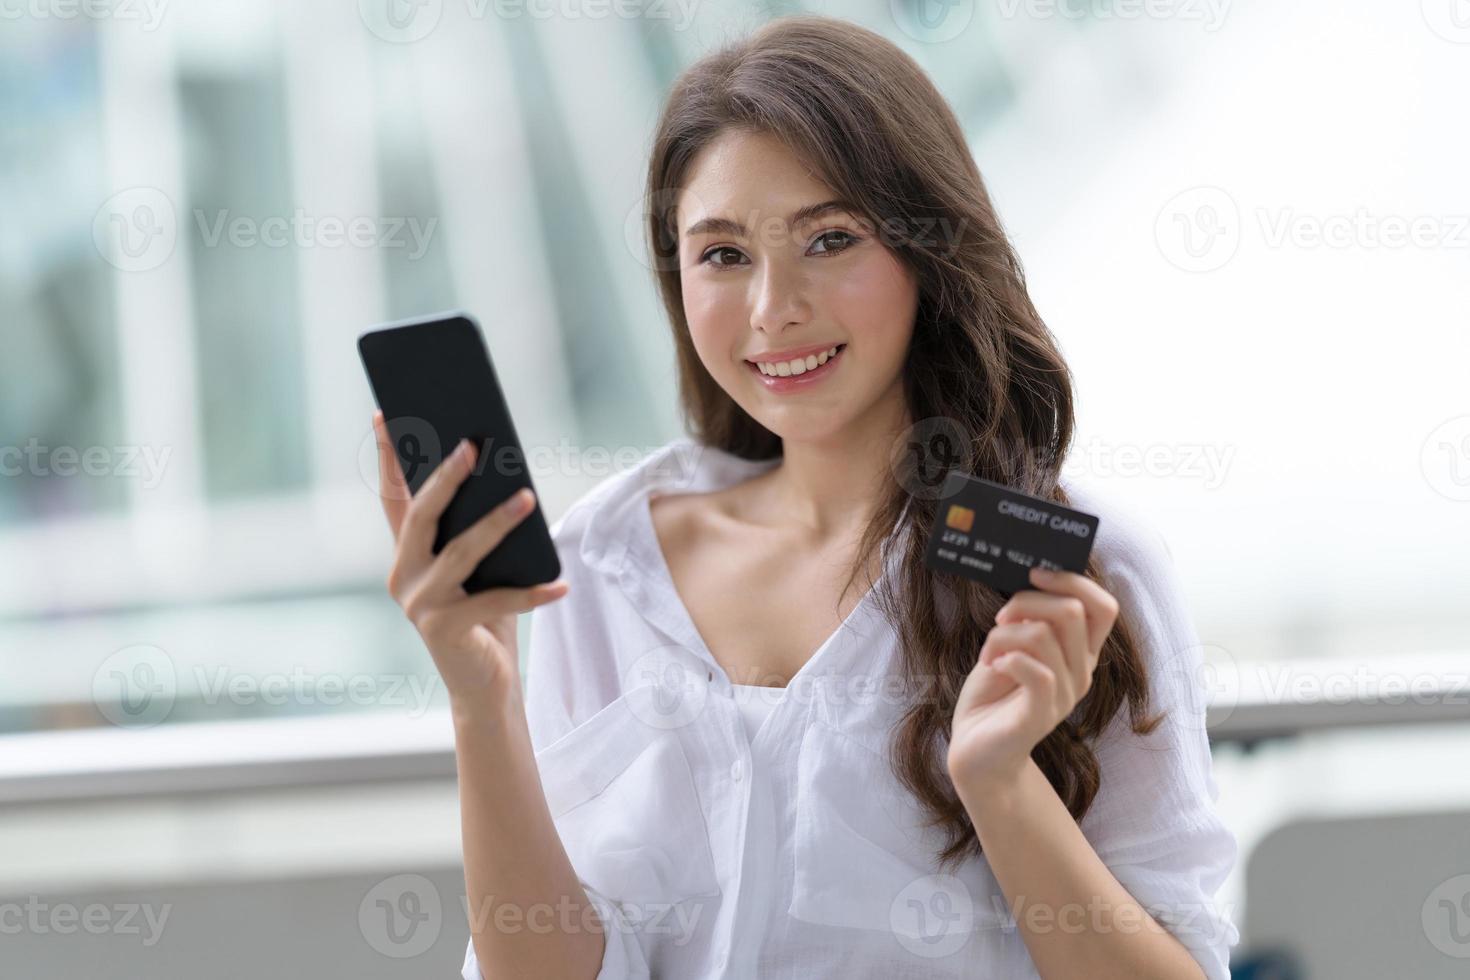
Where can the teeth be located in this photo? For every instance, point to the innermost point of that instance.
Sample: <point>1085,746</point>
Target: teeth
<point>785,369</point>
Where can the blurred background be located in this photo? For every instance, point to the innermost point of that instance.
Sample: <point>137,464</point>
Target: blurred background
<point>223,747</point>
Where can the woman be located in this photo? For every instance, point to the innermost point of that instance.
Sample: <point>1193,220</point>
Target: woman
<point>729,761</point>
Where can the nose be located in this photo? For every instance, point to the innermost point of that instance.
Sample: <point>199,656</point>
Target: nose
<point>780,299</point>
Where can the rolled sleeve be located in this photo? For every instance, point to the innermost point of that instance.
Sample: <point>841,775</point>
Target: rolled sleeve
<point>1154,821</point>
<point>559,695</point>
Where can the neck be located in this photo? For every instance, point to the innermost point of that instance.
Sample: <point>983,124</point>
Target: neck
<point>827,490</point>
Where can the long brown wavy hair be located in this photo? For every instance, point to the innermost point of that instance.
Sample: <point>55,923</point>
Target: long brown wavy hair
<point>981,363</point>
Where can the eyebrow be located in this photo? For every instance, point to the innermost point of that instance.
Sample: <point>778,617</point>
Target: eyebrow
<point>728,226</point>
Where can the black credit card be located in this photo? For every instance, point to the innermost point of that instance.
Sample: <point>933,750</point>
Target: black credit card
<point>990,533</point>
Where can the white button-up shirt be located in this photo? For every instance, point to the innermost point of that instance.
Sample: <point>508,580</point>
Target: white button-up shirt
<point>798,854</point>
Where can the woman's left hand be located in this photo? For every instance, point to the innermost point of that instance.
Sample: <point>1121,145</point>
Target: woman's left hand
<point>1035,666</point>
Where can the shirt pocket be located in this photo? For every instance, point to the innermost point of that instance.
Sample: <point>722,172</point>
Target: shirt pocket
<point>865,860</point>
<point>623,798</point>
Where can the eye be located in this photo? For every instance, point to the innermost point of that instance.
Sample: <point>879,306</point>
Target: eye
<point>835,241</point>
<point>709,257</point>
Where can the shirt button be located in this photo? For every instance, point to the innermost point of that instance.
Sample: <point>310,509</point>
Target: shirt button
<point>737,769</point>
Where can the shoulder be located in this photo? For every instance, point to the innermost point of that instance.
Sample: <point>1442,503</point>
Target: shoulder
<point>1127,541</point>
<point>609,497</point>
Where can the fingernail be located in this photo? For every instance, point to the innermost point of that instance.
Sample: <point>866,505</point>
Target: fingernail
<point>523,500</point>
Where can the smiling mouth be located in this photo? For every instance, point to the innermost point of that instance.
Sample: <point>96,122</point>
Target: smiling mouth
<point>796,367</point>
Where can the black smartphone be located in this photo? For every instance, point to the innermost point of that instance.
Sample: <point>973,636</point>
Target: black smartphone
<point>434,381</point>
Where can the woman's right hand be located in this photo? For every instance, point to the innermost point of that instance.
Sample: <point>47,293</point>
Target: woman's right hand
<point>471,638</point>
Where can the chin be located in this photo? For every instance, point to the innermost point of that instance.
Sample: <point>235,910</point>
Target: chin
<point>811,425</point>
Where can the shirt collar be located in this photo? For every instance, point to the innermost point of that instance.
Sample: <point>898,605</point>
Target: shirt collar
<point>619,541</point>
<point>683,466</point>
<point>614,526</point>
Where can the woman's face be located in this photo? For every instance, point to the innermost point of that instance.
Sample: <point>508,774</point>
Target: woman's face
<point>758,285</point>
